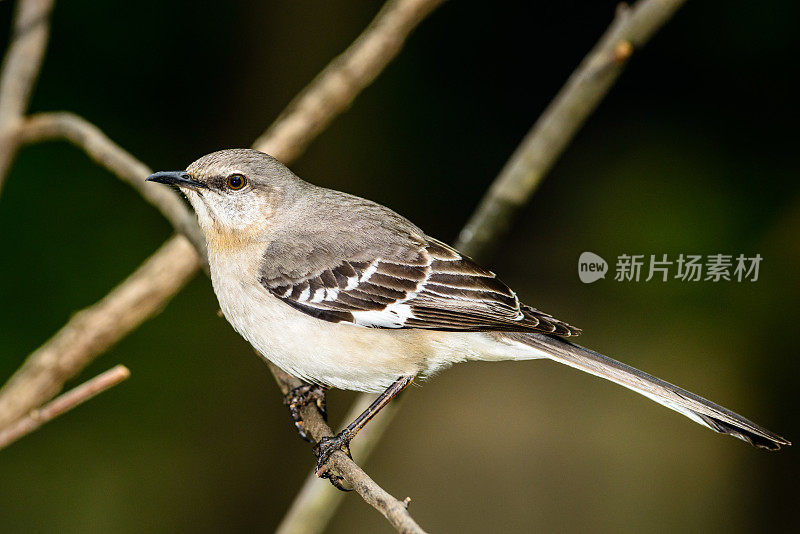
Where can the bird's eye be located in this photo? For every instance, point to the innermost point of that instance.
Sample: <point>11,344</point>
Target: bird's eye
<point>236,181</point>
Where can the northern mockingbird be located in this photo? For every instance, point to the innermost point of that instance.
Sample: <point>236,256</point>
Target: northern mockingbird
<point>342,292</point>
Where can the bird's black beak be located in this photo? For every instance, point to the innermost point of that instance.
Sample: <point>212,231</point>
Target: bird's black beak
<point>179,178</point>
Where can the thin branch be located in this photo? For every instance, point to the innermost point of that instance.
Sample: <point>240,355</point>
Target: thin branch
<point>106,153</point>
<point>546,141</point>
<point>63,404</point>
<point>95,329</point>
<point>512,189</point>
<point>395,511</point>
<point>335,88</point>
<point>20,69</point>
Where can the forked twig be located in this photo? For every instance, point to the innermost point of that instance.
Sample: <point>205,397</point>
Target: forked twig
<point>106,153</point>
<point>95,329</point>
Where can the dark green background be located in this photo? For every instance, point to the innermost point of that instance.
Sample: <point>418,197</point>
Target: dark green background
<point>694,151</point>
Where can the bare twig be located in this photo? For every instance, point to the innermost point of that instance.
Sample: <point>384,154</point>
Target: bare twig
<point>95,329</point>
<point>19,72</point>
<point>512,188</point>
<point>562,119</point>
<point>105,152</point>
<point>315,503</point>
<point>335,88</point>
<point>63,404</point>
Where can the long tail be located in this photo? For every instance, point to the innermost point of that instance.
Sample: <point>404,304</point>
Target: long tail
<point>692,406</point>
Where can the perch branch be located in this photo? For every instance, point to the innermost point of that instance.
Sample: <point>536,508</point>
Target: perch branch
<point>335,88</point>
<point>550,135</point>
<point>21,64</point>
<point>395,511</point>
<point>63,404</point>
<point>512,188</point>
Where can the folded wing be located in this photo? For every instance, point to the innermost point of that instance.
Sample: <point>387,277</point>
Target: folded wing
<point>432,287</point>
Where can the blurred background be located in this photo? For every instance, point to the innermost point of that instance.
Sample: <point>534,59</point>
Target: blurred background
<point>694,151</point>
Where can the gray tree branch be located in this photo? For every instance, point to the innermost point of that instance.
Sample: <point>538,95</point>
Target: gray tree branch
<point>316,504</point>
<point>395,511</point>
<point>20,69</point>
<point>63,403</point>
<point>106,153</point>
<point>93,330</point>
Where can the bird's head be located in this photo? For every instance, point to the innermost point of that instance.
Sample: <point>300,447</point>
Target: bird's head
<point>234,192</point>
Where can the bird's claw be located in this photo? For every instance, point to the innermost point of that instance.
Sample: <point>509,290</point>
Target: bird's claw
<point>300,397</point>
<point>323,451</point>
<point>329,445</point>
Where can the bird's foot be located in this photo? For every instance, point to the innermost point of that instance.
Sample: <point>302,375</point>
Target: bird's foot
<point>300,397</point>
<point>323,451</point>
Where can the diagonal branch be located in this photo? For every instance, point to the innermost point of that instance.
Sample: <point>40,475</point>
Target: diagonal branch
<point>63,404</point>
<point>574,103</point>
<point>106,153</point>
<point>19,72</point>
<point>335,88</point>
<point>316,504</point>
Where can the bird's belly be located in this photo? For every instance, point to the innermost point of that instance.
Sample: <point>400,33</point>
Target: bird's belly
<point>335,354</point>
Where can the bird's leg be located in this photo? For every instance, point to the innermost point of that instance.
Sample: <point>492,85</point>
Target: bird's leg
<point>328,445</point>
<point>302,396</point>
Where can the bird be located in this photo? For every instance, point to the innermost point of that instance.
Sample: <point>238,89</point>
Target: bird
<point>342,292</point>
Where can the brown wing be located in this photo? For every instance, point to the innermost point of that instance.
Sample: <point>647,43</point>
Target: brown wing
<point>433,287</point>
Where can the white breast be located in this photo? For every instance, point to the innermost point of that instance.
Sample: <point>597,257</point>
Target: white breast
<point>334,354</point>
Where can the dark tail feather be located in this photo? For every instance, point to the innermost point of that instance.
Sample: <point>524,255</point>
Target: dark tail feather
<point>692,406</point>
